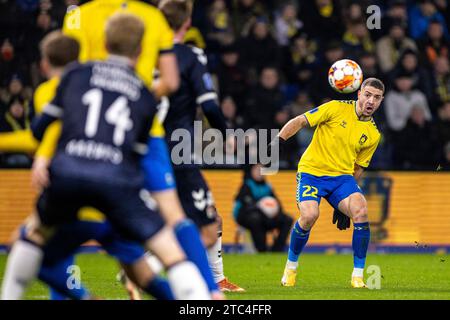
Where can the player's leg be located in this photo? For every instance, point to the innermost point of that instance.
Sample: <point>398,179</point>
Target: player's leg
<point>23,264</point>
<point>25,258</point>
<point>350,201</point>
<point>355,206</point>
<point>131,256</point>
<point>184,277</point>
<point>160,181</point>
<point>198,203</point>
<point>309,213</point>
<point>133,215</point>
<point>58,264</point>
<point>309,193</point>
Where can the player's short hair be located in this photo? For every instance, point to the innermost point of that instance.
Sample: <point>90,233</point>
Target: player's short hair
<point>373,82</point>
<point>59,49</point>
<point>177,12</point>
<point>124,32</point>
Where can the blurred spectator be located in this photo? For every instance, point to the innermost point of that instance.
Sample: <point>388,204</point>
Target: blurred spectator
<point>245,13</point>
<point>231,75</point>
<point>396,12</point>
<point>445,163</point>
<point>390,47</point>
<point>17,115</point>
<point>444,8</point>
<point>400,101</point>
<point>228,107</point>
<point>420,16</point>
<point>369,66</point>
<point>419,146</point>
<point>443,124</point>
<point>353,11</point>
<point>441,81</point>
<point>357,40</point>
<point>320,90</point>
<point>434,44</point>
<point>323,19</point>
<point>259,49</point>
<point>15,88</point>
<point>409,63</point>
<point>287,24</point>
<point>301,61</point>
<point>257,209</point>
<point>264,102</point>
<point>299,106</point>
<point>220,31</point>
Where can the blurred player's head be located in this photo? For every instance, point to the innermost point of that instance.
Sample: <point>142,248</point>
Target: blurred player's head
<point>57,50</point>
<point>124,34</point>
<point>370,96</point>
<point>178,14</point>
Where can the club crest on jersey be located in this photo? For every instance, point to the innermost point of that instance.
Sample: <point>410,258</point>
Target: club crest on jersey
<point>362,139</point>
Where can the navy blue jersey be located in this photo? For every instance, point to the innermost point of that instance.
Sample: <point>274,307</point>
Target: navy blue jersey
<point>106,114</point>
<point>196,88</point>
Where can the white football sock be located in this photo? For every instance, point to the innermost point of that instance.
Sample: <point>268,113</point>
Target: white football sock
<point>154,263</point>
<point>292,265</point>
<point>358,272</point>
<point>187,283</point>
<point>215,260</point>
<point>24,262</point>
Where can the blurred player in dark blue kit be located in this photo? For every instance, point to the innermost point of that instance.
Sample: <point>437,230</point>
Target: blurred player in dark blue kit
<point>106,113</point>
<point>196,88</point>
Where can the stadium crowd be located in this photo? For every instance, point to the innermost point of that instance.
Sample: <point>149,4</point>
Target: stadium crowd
<point>270,60</point>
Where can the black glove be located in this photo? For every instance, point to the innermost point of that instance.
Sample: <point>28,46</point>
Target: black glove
<point>276,141</point>
<point>343,222</point>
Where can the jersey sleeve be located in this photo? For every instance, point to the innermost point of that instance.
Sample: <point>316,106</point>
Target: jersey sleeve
<point>365,155</point>
<point>320,114</point>
<point>200,77</point>
<point>205,94</point>
<point>48,144</point>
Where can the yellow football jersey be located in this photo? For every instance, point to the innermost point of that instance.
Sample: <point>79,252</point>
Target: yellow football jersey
<point>87,24</point>
<point>340,140</point>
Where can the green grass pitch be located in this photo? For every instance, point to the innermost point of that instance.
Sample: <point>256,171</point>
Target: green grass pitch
<point>403,276</point>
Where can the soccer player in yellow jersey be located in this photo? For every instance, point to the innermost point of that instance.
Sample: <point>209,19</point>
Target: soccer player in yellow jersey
<point>344,141</point>
<point>86,23</point>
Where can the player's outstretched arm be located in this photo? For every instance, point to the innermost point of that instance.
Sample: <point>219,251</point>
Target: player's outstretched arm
<point>293,126</point>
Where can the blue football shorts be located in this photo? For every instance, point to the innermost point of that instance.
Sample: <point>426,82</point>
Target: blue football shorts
<point>333,189</point>
<point>157,166</point>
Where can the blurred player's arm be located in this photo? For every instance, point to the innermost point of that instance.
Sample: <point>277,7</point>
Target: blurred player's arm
<point>169,79</point>
<point>44,154</point>
<point>50,114</point>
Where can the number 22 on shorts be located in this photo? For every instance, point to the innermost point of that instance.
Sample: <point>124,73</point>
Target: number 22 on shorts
<point>310,191</point>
